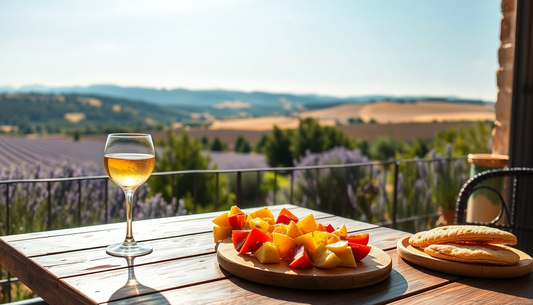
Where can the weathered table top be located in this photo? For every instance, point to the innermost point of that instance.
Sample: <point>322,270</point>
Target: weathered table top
<point>71,267</point>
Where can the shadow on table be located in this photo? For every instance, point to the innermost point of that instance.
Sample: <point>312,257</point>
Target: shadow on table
<point>390,289</point>
<point>134,288</point>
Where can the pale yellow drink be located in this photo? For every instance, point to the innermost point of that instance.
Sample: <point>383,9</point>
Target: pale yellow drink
<point>128,170</point>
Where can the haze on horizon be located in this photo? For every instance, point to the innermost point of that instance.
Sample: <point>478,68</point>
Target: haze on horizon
<point>336,48</point>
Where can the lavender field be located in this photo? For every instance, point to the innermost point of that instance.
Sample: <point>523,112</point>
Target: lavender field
<point>16,151</point>
<point>77,203</point>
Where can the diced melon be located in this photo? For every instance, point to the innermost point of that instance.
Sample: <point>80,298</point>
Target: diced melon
<point>308,224</point>
<point>247,224</point>
<point>320,237</point>
<point>333,239</point>
<point>307,241</point>
<point>324,258</point>
<point>341,231</point>
<point>259,224</point>
<point>221,233</point>
<point>262,213</point>
<point>347,259</point>
<point>293,231</point>
<point>235,210</point>
<point>285,245</point>
<point>320,227</point>
<point>222,220</point>
<point>280,228</point>
<point>267,253</point>
<point>338,247</point>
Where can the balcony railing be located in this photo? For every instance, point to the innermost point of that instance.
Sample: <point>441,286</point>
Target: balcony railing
<point>388,173</point>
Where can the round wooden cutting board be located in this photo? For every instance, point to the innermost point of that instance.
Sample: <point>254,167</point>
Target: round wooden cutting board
<point>419,257</point>
<point>373,269</point>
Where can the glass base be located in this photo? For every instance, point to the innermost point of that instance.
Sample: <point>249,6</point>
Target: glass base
<point>129,249</point>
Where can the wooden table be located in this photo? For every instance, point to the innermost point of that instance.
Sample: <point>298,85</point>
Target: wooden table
<point>71,267</point>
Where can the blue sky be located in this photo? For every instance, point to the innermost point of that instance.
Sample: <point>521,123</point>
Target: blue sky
<point>341,48</point>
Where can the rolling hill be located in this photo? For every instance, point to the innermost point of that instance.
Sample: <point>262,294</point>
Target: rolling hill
<point>224,103</point>
<point>38,113</point>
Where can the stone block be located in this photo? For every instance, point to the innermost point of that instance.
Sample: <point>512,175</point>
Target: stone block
<point>504,78</point>
<point>508,6</point>
<point>505,29</point>
<point>502,107</point>
<point>506,55</point>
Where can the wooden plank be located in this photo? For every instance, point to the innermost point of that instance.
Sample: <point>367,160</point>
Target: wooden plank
<point>145,222</point>
<point>479,291</point>
<point>97,260</point>
<point>113,285</point>
<point>405,280</point>
<point>142,231</point>
<point>17,263</point>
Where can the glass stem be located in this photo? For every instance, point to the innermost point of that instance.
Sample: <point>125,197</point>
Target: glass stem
<point>129,215</point>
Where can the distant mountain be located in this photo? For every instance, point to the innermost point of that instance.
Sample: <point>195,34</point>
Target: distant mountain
<point>223,103</point>
<point>51,113</point>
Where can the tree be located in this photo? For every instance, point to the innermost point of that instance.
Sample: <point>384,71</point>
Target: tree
<point>384,148</point>
<point>315,138</point>
<point>260,145</point>
<point>473,139</point>
<point>277,148</point>
<point>205,142</point>
<point>185,153</point>
<point>242,145</point>
<point>217,144</point>
<point>308,136</point>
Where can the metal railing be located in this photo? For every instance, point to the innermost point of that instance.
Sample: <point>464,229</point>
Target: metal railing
<point>289,171</point>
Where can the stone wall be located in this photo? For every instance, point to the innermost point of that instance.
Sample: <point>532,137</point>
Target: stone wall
<point>504,79</point>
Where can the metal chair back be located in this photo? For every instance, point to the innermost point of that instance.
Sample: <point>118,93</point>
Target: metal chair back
<point>516,203</point>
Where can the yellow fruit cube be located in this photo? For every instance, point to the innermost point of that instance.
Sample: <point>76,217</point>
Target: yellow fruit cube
<point>259,224</point>
<point>324,258</point>
<point>235,210</point>
<point>262,213</point>
<point>222,220</point>
<point>221,233</point>
<point>320,237</point>
<point>347,259</point>
<point>333,239</point>
<point>341,231</point>
<point>286,246</point>
<point>307,241</point>
<point>338,247</point>
<point>280,228</point>
<point>308,224</point>
<point>293,231</point>
<point>267,253</point>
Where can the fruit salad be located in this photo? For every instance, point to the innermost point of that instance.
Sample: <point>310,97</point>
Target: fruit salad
<point>304,243</point>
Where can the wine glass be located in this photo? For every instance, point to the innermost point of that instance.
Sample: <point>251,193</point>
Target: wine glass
<point>129,160</point>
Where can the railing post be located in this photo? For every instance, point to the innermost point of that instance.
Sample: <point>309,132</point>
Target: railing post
<point>330,200</point>
<point>238,190</point>
<point>7,209</point>
<point>275,185</point>
<point>49,224</point>
<point>257,187</point>
<point>172,187</point>
<point>79,203</point>
<point>216,192</point>
<point>395,194</point>
<point>194,193</point>
<point>292,187</point>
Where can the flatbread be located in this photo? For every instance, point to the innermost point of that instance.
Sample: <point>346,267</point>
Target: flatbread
<point>481,254</point>
<point>465,234</point>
